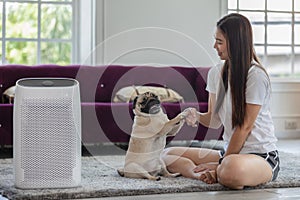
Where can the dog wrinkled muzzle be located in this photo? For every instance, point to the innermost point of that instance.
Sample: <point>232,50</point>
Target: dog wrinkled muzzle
<point>151,107</point>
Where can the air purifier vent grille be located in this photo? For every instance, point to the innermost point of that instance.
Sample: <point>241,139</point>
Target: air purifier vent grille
<point>47,129</point>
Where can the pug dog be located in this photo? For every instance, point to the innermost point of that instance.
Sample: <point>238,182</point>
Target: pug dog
<point>150,129</point>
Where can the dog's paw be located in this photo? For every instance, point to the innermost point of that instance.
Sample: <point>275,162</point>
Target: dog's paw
<point>121,172</point>
<point>153,178</point>
<point>180,118</point>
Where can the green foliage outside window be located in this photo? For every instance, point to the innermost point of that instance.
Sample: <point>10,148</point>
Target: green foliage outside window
<point>24,44</point>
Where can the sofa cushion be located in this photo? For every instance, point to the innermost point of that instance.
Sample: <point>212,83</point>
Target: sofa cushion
<point>127,94</point>
<point>180,79</point>
<point>9,95</point>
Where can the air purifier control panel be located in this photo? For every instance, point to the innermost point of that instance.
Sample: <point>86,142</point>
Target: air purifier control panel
<point>51,82</point>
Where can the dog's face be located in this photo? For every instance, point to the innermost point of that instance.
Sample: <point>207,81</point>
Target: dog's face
<point>147,103</point>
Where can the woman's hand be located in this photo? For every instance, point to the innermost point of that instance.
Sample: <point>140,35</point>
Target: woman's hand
<point>192,117</point>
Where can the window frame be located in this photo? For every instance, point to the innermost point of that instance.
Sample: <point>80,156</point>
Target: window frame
<point>266,44</point>
<point>72,41</point>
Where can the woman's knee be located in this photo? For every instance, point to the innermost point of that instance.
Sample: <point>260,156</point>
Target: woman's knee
<point>237,171</point>
<point>230,172</point>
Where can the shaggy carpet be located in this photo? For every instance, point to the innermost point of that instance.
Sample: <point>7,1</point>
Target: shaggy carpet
<point>100,179</point>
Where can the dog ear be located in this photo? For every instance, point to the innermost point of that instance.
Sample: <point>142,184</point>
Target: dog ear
<point>134,102</point>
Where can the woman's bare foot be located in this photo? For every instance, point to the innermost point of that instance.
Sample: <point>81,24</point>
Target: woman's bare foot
<point>209,177</point>
<point>205,167</point>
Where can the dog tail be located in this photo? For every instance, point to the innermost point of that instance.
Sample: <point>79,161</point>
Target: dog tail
<point>121,172</point>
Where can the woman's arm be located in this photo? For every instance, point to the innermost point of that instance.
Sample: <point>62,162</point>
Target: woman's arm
<point>210,119</point>
<point>241,133</point>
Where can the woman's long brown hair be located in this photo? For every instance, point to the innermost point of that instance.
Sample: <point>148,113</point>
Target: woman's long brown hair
<point>238,33</point>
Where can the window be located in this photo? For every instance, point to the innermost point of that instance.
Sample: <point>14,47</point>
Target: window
<point>36,31</point>
<point>276,29</point>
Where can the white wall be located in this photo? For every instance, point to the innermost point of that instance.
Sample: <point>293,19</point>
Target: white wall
<point>157,32</point>
<point>285,107</point>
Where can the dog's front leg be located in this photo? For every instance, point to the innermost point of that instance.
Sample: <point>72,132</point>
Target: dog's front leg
<point>175,129</point>
<point>171,123</point>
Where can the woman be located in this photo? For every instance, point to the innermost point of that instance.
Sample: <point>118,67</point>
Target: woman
<point>239,99</point>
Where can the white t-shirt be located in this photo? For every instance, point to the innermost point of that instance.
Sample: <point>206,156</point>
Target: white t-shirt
<point>262,138</point>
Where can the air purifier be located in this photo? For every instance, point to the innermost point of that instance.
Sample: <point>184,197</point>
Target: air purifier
<point>47,133</point>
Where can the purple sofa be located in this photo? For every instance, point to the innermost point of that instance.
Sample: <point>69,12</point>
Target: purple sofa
<point>103,120</point>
